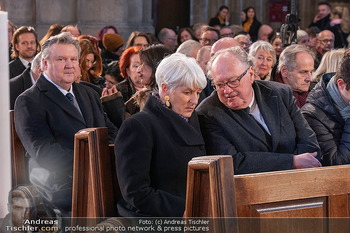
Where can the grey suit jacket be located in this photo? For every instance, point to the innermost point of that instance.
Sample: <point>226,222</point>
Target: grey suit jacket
<point>46,122</point>
<point>230,132</point>
<point>18,85</point>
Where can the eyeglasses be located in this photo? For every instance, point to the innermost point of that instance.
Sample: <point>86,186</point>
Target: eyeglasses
<point>206,40</point>
<point>171,39</point>
<point>232,83</point>
<point>327,41</point>
<point>244,43</point>
<point>227,35</point>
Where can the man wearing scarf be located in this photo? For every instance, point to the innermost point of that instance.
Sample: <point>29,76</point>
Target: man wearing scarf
<point>327,111</point>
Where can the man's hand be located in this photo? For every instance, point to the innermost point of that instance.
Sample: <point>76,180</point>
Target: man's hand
<point>306,160</point>
<point>317,18</point>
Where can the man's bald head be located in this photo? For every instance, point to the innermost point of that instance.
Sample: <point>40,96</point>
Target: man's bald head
<point>325,41</point>
<point>223,43</point>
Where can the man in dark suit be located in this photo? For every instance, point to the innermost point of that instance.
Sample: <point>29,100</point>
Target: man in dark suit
<point>322,18</point>
<point>49,114</point>
<point>25,45</point>
<point>257,122</point>
<point>25,80</point>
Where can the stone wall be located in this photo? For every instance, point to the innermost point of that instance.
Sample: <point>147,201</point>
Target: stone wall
<point>89,15</point>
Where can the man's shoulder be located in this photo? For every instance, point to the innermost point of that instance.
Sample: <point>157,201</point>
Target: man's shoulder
<point>274,87</point>
<point>209,103</point>
<point>21,77</point>
<point>15,61</point>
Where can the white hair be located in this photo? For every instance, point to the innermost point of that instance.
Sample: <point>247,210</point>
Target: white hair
<point>179,70</point>
<point>263,45</point>
<point>188,46</point>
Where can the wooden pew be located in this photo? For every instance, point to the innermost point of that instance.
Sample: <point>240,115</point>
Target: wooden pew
<point>95,185</point>
<point>18,158</point>
<point>315,192</point>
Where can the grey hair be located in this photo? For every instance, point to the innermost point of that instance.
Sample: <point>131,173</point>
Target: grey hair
<point>36,63</point>
<point>201,52</point>
<point>301,34</point>
<point>178,70</point>
<point>164,34</point>
<point>288,56</point>
<point>62,38</point>
<point>241,36</point>
<point>263,45</point>
<point>237,51</point>
<point>188,46</point>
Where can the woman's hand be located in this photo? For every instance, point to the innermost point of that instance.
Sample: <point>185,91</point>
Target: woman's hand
<point>110,91</point>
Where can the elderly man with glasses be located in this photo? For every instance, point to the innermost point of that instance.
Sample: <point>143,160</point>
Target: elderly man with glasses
<point>257,122</point>
<point>325,43</point>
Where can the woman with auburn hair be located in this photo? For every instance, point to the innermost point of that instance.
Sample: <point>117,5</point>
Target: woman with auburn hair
<point>90,63</point>
<point>129,63</point>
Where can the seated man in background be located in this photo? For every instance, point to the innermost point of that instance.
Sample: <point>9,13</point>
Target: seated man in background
<point>25,80</point>
<point>48,115</point>
<point>257,122</point>
<point>327,110</point>
<point>25,46</point>
<point>295,67</point>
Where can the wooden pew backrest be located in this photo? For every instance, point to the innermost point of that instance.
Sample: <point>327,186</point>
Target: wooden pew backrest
<point>95,186</point>
<point>18,158</point>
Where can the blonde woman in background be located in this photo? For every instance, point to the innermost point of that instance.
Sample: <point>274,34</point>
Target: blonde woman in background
<point>329,63</point>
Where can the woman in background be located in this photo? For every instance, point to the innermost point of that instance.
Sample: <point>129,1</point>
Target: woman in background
<point>185,34</point>
<point>150,59</point>
<point>329,64</point>
<point>154,146</point>
<point>221,18</point>
<point>138,39</point>
<point>54,30</point>
<point>265,56</point>
<point>340,26</point>
<point>90,64</point>
<point>251,24</point>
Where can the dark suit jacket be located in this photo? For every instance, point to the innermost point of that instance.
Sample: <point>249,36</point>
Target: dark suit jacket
<point>230,132</point>
<point>16,67</point>
<point>254,29</point>
<point>18,85</point>
<point>46,122</point>
<point>152,149</point>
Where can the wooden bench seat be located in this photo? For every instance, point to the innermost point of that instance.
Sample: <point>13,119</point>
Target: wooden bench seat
<point>315,192</point>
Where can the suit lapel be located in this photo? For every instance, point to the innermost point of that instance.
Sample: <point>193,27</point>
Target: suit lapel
<point>58,98</point>
<point>269,109</point>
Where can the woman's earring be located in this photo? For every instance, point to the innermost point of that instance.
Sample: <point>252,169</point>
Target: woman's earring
<point>167,102</point>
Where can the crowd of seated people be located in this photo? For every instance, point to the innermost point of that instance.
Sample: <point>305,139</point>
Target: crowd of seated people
<point>210,89</point>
